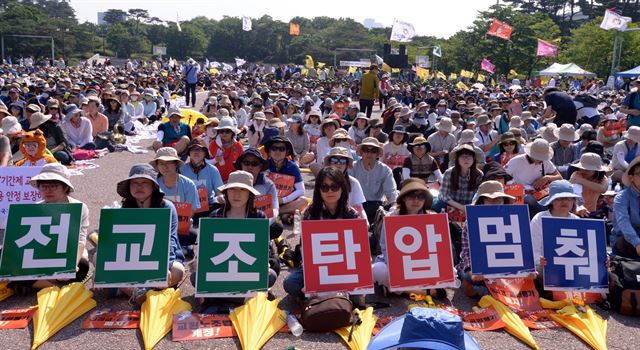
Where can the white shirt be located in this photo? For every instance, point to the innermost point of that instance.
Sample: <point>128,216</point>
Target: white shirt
<point>322,149</point>
<point>485,139</point>
<point>536,233</point>
<point>78,136</point>
<point>526,173</point>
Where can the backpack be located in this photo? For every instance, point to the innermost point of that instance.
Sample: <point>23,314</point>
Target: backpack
<point>106,140</point>
<point>327,313</point>
<point>624,286</point>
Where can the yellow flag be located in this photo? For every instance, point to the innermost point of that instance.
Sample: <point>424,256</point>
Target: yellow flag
<point>453,76</point>
<point>512,73</point>
<point>461,85</point>
<point>481,78</point>
<point>321,65</point>
<point>308,61</point>
<point>304,71</point>
<point>352,70</point>
<point>213,71</point>
<point>386,67</point>
<point>422,73</point>
<point>441,75</point>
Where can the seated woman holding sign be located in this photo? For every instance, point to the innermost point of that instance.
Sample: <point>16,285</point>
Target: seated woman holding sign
<point>460,182</point>
<point>340,158</point>
<point>625,238</point>
<point>330,202</point>
<point>142,190</point>
<point>205,176</point>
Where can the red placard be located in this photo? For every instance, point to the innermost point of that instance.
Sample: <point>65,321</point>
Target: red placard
<point>419,252</point>
<point>194,326</point>
<point>518,293</point>
<point>579,298</point>
<point>455,214</point>
<point>515,190</point>
<point>265,203</point>
<point>184,217</point>
<point>394,160</point>
<point>538,319</point>
<point>615,128</point>
<point>336,256</point>
<point>486,319</point>
<point>284,183</point>
<point>505,158</point>
<point>112,319</point>
<point>203,196</point>
<point>16,318</point>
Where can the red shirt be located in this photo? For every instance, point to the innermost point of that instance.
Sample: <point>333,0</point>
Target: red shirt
<point>229,155</point>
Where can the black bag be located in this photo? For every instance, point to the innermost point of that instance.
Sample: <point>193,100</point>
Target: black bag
<point>327,313</point>
<point>624,286</point>
<point>106,140</point>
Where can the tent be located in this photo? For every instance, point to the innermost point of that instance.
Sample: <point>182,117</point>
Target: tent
<point>634,72</point>
<point>570,69</point>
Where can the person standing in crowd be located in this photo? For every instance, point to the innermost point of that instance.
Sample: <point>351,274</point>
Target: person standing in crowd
<point>369,90</point>
<point>190,75</point>
<point>631,104</point>
<point>560,107</point>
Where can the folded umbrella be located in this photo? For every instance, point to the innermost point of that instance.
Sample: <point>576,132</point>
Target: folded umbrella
<point>359,337</point>
<point>588,325</point>
<point>5,292</point>
<point>514,324</point>
<point>257,321</point>
<point>157,312</point>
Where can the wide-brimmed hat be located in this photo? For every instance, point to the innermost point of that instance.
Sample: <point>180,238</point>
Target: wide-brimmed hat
<point>424,328</point>
<point>626,178</point>
<point>446,124</point>
<point>483,119</point>
<point>339,152</point>
<point>420,120</point>
<point>558,189</point>
<point>539,150</point>
<point>420,140</point>
<point>52,172</point>
<point>38,119</point>
<point>227,123</point>
<point>516,122</point>
<point>590,161</point>
<point>175,112</point>
<point>493,170</point>
<point>251,152</point>
<point>167,154</point>
<point>32,107</point>
<point>467,136</point>
<point>399,129</point>
<point>240,179</point>
<point>53,103</point>
<point>213,121</point>
<point>492,189</point>
<point>526,115</point>
<point>584,128</point>
<point>464,147</point>
<point>567,132</point>
<point>375,123</point>
<point>71,110</point>
<point>138,171</point>
<point>296,119</point>
<point>360,115</point>
<point>199,143</point>
<point>509,137</point>
<point>279,139</point>
<point>415,184</point>
<point>276,123</point>
<point>11,125</point>
<point>548,133</point>
<point>371,142</point>
<point>421,105</point>
<point>259,116</point>
<point>405,111</point>
<point>315,112</point>
<point>633,134</point>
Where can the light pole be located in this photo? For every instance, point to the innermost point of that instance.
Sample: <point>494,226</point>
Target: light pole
<point>617,52</point>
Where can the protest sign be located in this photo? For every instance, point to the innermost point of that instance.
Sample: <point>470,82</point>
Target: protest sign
<point>41,241</point>
<point>486,319</point>
<point>575,251</point>
<point>284,183</point>
<point>515,190</point>
<point>394,160</point>
<point>538,319</point>
<point>456,215</point>
<point>517,293</point>
<point>264,203</point>
<point>184,217</point>
<point>419,252</point>
<point>107,318</point>
<point>500,240</point>
<point>195,326</point>
<point>203,197</point>
<point>233,257</point>
<point>134,248</point>
<point>15,188</point>
<point>615,128</point>
<point>336,256</point>
<point>16,318</point>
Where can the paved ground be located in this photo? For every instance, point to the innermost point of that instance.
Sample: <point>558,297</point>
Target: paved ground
<point>98,188</point>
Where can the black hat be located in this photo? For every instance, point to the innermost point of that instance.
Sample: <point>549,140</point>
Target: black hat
<point>493,170</point>
<point>198,142</point>
<point>279,139</point>
<point>251,152</point>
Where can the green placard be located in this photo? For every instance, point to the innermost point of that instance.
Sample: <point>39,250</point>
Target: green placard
<point>41,241</point>
<point>233,257</point>
<point>133,250</point>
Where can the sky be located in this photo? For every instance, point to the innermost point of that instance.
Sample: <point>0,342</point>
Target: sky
<point>429,17</point>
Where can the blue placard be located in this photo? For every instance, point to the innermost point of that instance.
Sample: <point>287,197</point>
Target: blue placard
<point>500,240</point>
<point>575,251</point>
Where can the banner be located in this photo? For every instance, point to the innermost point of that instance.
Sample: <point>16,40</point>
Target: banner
<point>538,319</point>
<point>195,326</point>
<point>486,65</point>
<point>159,50</point>
<point>284,183</point>
<point>41,242</point>
<point>613,20</point>
<point>456,215</point>
<point>294,29</point>
<point>517,293</point>
<point>107,318</point>
<point>246,23</point>
<point>134,248</point>
<point>419,252</point>
<point>264,203</point>
<point>515,190</point>
<point>437,51</point>
<point>500,30</point>
<point>615,128</point>
<point>308,61</point>
<point>402,31</point>
<point>422,61</point>
<point>361,64</point>
<point>422,73</point>
<point>336,257</point>
<point>500,240</point>
<point>17,318</point>
<point>203,197</point>
<point>15,188</point>
<point>394,160</point>
<point>546,49</point>
<point>183,209</point>
<point>485,319</point>
<point>239,62</point>
<point>576,251</point>
<point>233,257</point>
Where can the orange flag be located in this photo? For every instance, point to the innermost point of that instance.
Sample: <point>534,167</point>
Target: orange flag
<point>500,29</point>
<point>294,29</point>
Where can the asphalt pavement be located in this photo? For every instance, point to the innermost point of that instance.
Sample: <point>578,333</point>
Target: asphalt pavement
<point>97,188</point>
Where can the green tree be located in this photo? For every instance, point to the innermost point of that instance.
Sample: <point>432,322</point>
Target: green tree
<point>190,42</point>
<point>113,16</point>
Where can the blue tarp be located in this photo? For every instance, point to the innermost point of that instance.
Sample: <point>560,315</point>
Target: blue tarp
<point>635,72</point>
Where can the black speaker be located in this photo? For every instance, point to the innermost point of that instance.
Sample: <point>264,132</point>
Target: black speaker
<point>403,50</point>
<point>386,50</point>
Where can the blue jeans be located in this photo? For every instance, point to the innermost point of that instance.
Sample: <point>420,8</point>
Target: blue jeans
<point>63,157</point>
<point>89,146</point>
<point>294,283</point>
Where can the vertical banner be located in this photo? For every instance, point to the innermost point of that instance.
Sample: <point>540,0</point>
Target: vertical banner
<point>233,257</point>
<point>336,257</point>
<point>419,252</point>
<point>500,240</point>
<point>15,188</point>
<point>184,217</point>
<point>134,248</point>
<point>41,242</point>
<point>575,250</point>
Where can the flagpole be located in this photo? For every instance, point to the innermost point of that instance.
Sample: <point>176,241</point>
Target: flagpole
<point>613,59</point>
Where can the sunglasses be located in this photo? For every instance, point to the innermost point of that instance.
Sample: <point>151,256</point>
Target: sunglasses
<point>278,148</point>
<point>225,131</point>
<point>253,164</point>
<point>510,144</point>
<point>333,188</point>
<point>370,149</point>
<point>420,146</point>
<point>338,161</point>
<point>340,140</point>
<point>421,196</point>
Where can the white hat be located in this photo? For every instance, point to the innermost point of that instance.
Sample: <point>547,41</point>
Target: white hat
<point>467,136</point>
<point>38,119</point>
<point>52,172</point>
<point>633,133</point>
<point>167,154</point>
<point>516,122</point>
<point>590,161</point>
<point>566,132</point>
<point>446,124</point>
<point>10,125</point>
<point>539,150</point>
<point>227,123</point>
<point>240,179</point>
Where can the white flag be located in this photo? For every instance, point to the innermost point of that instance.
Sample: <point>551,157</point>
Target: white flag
<point>379,60</point>
<point>246,23</point>
<point>178,22</point>
<point>613,20</point>
<point>402,31</point>
<point>215,64</point>
<point>240,62</point>
<point>227,67</point>
<point>206,63</point>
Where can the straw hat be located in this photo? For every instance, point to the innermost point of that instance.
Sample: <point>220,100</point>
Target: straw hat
<point>328,121</point>
<point>567,132</point>
<point>175,112</point>
<point>52,172</point>
<point>53,103</point>
<point>372,142</point>
<point>516,122</point>
<point>590,161</point>
<point>558,189</point>
<point>38,119</point>
<point>454,152</point>
<point>240,179</point>
<point>339,152</point>
<point>276,123</point>
<point>259,116</point>
<point>405,111</point>
<point>227,123</point>
<point>360,115</point>
<point>467,136</point>
<point>526,115</point>
<point>11,125</point>
<point>138,171</point>
<point>492,189</point>
<point>213,122</point>
<point>626,178</point>
<point>167,154</point>
<point>415,184</point>
<point>548,133</point>
<point>539,150</point>
<point>445,124</point>
<point>633,133</point>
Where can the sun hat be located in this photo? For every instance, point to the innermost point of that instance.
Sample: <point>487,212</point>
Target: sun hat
<point>167,154</point>
<point>38,119</point>
<point>626,178</point>
<point>467,136</point>
<point>446,124</point>
<point>328,121</point>
<point>516,122</point>
<point>339,152</point>
<point>315,112</point>
<point>405,111</point>
<point>464,147</point>
<point>493,170</point>
<point>567,132</point>
<point>526,115</point>
<point>251,152</point>
<point>199,143</point>
<point>32,107</point>
<point>52,172</point>
<point>279,139</point>
<point>491,189</point>
<point>558,189</point>
<point>422,105</point>
<point>53,103</point>
<point>371,142</point>
<point>240,179</point>
<point>548,133</point>
<point>375,123</point>
<point>338,135</point>
<point>175,112</point>
<point>420,120</point>
<point>633,134</point>
<point>360,115</point>
<point>11,125</point>
<point>276,123</point>
<point>420,140</point>
<point>584,128</point>
<point>296,119</point>
<point>415,184</point>
<point>259,116</point>
<point>509,137</point>
<point>226,123</point>
<point>72,109</point>
<point>539,150</point>
<point>424,328</point>
<point>212,100</point>
<point>213,121</point>
<point>483,119</point>
<point>138,171</point>
<point>590,161</point>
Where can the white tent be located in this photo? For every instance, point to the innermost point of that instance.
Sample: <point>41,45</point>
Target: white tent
<point>570,69</point>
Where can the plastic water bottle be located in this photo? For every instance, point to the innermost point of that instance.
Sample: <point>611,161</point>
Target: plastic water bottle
<point>297,223</point>
<point>294,326</point>
<point>220,154</point>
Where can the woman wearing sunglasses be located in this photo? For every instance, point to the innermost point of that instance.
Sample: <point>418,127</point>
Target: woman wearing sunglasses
<point>341,159</point>
<point>509,147</point>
